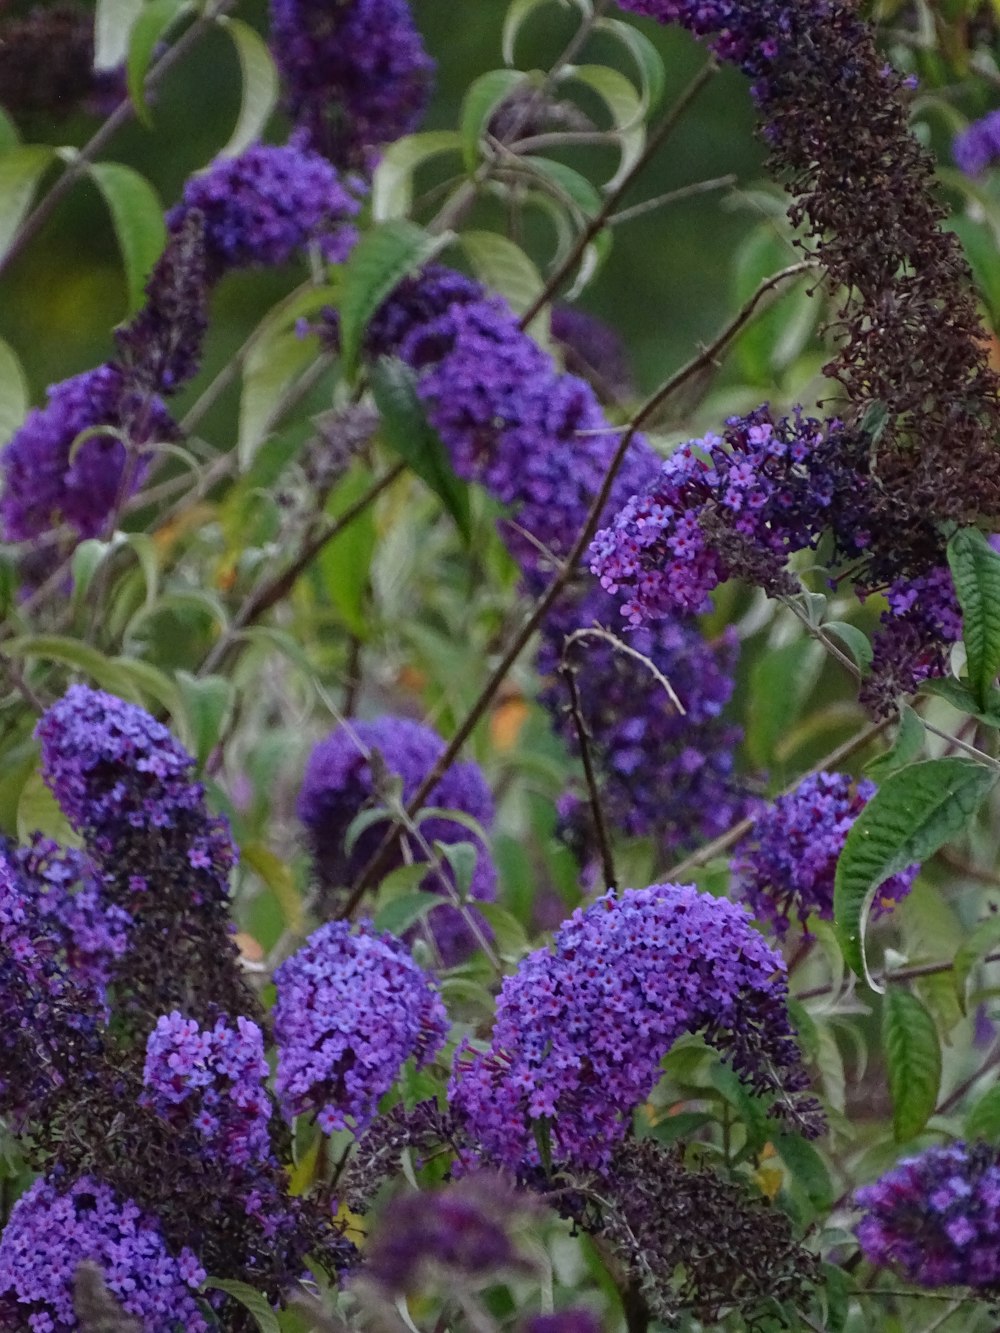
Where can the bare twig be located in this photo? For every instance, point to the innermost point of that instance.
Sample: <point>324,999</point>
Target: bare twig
<point>568,674</point>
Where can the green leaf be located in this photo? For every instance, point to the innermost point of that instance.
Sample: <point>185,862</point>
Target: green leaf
<point>392,185</point>
<point>975,569</point>
<point>149,29</point>
<point>345,562</point>
<point>854,640</point>
<point>483,97</point>
<point>13,392</point>
<point>781,681</point>
<point>808,1168</point>
<point>983,940</point>
<point>517,12</point>
<point>462,857</point>
<point>278,877</point>
<point>962,698</point>
<point>271,367</point>
<point>258,1305</point>
<point>914,812</point>
<point>511,941</point>
<point>679,1125</point>
<point>113,22</point>
<point>626,108</point>
<point>913,1061</point>
<point>983,1120</point>
<point>407,430</point>
<point>73,653</point>
<point>260,85</point>
<point>87,559</point>
<point>137,213</point>
<point>647,58</point>
<point>908,744</point>
<point>208,703</point>
<point>503,267</point>
<point>21,169</point>
<point>836,1293</point>
<point>572,185</point>
<point>379,262</point>
<point>38,812</point>
<point>9,137</point>
<point>399,914</point>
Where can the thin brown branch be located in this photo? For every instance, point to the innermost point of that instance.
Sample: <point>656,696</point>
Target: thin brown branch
<point>568,674</point>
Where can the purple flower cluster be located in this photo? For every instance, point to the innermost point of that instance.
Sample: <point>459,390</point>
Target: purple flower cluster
<point>936,1217</point>
<point>48,484</point>
<point>978,146</point>
<point>737,505</point>
<point>575,1320</point>
<point>266,205</point>
<point>923,621</point>
<point>785,868</point>
<point>352,1007</point>
<point>355,72</point>
<point>212,1079</point>
<point>53,1228</point>
<point>462,1229</point>
<point>580,1032</point>
<point>593,350</point>
<point>348,772</point>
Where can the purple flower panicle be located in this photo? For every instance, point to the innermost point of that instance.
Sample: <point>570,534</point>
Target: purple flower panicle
<point>53,1228</point>
<point>978,146</point>
<point>352,1007</point>
<point>580,1031</point>
<point>935,1217</point>
<point>785,868</point>
<point>574,1320</point>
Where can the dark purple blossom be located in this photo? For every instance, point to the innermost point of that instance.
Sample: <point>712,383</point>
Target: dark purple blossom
<point>266,206</point>
<point>593,350</point>
<point>213,1080</point>
<point>352,1007</point>
<point>978,146</point>
<point>49,484</point>
<point>54,1227</point>
<point>461,1232</point>
<point>350,770</point>
<point>355,73</point>
<point>580,1032</point>
<point>917,631</point>
<point>935,1217</point>
<point>785,868</point>
<point>574,1320</point>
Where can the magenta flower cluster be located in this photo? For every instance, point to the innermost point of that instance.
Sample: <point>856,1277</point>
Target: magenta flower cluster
<point>347,774</point>
<point>212,1080</point>
<point>786,866</point>
<point>935,1217</point>
<point>53,1227</point>
<point>580,1030</point>
<point>352,1007</point>
<point>266,205</point>
<point>355,73</point>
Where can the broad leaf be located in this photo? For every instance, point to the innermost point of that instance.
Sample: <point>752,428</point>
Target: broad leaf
<point>485,94</point>
<point>278,877</point>
<point>13,392</point>
<point>984,939</point>
<point>269,370</point>
<point>251,1300</point>
<point>983,1121</point>
<point>907,746</point>
<point>137,213</point>
<point>975,569</point>
<point>913,1060</point>
<point>647,58</point>
<point>345,562</point>
<point>399,914</point>
<point>38,812</point>
<point>392,185</point>
<point>208,703</point>
<point>503,267</point>
<point>21,169</point>
<point>148,30</point>
<point>914,812</point>
<point>259,85</point>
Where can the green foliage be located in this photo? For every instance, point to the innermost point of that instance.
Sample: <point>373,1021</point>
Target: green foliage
<point>913,1061</point>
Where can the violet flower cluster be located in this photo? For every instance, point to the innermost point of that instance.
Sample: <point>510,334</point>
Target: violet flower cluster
<point>978,146</point>
<point>935,1217</point>
<point>54,1227</point>
<point>352,1007</point>
<point>349,772</point>
<point>575,1320</point>
<point>580,1031</point>
<point>212,1079</point>
<point>355,74</point>
<point>786,866</point>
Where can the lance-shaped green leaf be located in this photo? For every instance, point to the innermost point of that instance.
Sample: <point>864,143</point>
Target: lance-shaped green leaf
<point>148,30</point>
<point>913,1062</point>
<point>406,428</point>
<point>646,56</point>
<point>975,569</point>
<point>914,812</point>
<point>392,184</point>
<point>137,213</point>
<point>907,746</point>
<point>503,267</point>
<point>379,262</point>
<point>983,1121</point>
<point>985,939</point>
<point>13,392</point>
<point>259,85</point>
<point>485,94</point>
<point>21,169</point>
<point>256,1304</point>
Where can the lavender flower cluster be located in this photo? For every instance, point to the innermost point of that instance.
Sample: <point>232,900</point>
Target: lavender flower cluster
<point>936,1217</point>
<point>355,74</point>
<point>978,146</point>
<point>352,1007</point>
<point>580,1032</point>
<point>54,1226</point>
<point>349,771</point>
<point>786,866</point>
<point>212,1079</point>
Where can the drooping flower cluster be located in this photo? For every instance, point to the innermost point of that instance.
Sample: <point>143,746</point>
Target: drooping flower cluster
<point>212,1079</point>
<point>785,868</point>
<point>978,146</point>
<point>54,1227</point>
<point>266,205</point>
<point>47,63</point>
<point>461,1232</point>
<point>50,485</point>
<point>580,1032</point>
<point>935,1217</point>
<point>124,783</point>
<point>351,770</point>
<point>352,1007</point>
<point>355,74</point>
